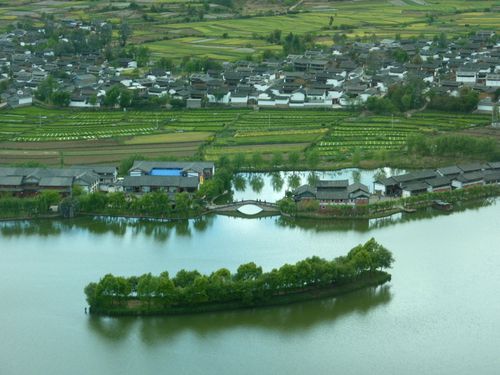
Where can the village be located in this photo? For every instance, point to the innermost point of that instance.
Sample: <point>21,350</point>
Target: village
<point>342,76</point>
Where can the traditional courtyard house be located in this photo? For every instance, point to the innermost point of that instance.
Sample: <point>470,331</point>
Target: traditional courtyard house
<point>468,180</point>
<point>107,175</point>
<point>304,192</point>
<point>201,170</point>
<point>393,186</point>
<point>85,80</point>
<point>31,181</point>
<point>492,177</point>
<point>466,76</point>
<point>359,194</point>
<point>266,99</point>
<point>492,80</point>
<point>11,184</point>
<point>169,184</point>
<point>493,166</point>
<point>438,184</point>
<point>333,192</point>
<point>238,99</point>
<point>450,172</point>
<point>472,167</point>
<point>413,188</point>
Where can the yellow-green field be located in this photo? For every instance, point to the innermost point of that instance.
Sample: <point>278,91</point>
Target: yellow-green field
<point>166,36</point>
<point>57,137</point>
<point>169,138</point>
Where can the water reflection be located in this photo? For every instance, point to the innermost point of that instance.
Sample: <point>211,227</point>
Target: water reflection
<point>285,319</point>
<point>364,225</point>
<point>312,178</point>
<point>160,230</point>
<point>257,183</point>
<point>239,183</point>
<point>277,181</point>
<point>273,186</point>
<point>294,181</point>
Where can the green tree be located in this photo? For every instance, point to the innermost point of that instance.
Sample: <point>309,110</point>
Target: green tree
<point>257,160</point>
<point>248,271</point>
<point>182,203</point>
<point>112,96</point>
<point>45,89</point>
<point>61,98</point>
<point>185,278</point>
<point>312,159</point>
<point>239,160</point>
<point>124,32</point>
<point>125,98</point>
<point>277,159</point>
<point>293,159</point>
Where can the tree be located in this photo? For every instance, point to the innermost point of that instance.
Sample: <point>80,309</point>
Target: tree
<point>185,278</point>
<point>239,160</point>
<point>61,98</point>
<point>147,287</point>
<point>248,271</point>
<point>124,32</point>
<point>143,55</point>
<point>46,199</point>
<point>112,96</point>
<point>182,202</point>
<point>45,89</point>
<point>165,63</point>
<point>356,156</point>
<point>125,98</point>
<point>312,159</point>
<point>257,160</point>
<point>277,159</point>
<point>293,159</point>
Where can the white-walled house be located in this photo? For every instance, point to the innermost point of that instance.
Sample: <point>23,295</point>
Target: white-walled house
<point>466,76</point>
<point>493,80</point>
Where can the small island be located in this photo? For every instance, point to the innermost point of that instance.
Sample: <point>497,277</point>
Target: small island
<point>191,292</point>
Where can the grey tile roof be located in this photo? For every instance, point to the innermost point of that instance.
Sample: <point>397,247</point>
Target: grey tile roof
<point>147,166</point>
<point>438,182</point>
<point>470,177</point>
<point>11,180</point>
<point>446,171</point>
<point>332,184</point>
<point>56,181</point>
<point>160,181</point>
<point>332,195</point>
<point>415,186</point>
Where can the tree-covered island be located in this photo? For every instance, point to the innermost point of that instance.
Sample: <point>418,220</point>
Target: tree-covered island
<point>192,292</point>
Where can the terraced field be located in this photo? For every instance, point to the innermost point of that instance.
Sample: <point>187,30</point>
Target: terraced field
<point>390,133</point>
<point>77,137</point>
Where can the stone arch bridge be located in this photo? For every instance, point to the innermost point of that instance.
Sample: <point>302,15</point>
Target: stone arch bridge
<point>266,207</point>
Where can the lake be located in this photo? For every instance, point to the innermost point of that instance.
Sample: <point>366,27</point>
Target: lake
<point>439,315</point>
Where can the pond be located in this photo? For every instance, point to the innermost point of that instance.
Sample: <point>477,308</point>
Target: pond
<point>439,315</point>
<point>272,186</point>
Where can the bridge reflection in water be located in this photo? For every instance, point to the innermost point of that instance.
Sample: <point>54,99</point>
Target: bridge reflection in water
<point>250,209</point>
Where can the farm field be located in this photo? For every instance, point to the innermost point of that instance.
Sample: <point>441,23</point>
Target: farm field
<point>58,137</point>
<point>230,39</point>
<point>385,18</point>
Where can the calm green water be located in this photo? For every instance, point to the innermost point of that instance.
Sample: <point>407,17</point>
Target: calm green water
<point>439,315</point>
<point>272,186</point>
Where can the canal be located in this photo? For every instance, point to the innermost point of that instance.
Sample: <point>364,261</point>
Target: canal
<point>439,315</point>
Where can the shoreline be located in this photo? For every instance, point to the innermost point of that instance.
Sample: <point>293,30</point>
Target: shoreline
<point>317,215</point>
<point>367,280</point>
